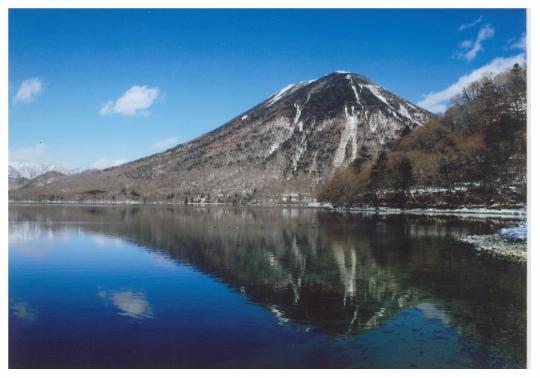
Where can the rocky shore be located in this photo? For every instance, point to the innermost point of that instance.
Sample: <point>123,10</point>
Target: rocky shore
<point>508,243</point>
<point>518,213</point>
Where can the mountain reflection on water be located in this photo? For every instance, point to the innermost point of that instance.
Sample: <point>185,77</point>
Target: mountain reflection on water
<point>330,273</point>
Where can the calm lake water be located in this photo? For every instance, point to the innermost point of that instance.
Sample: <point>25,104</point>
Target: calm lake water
<point>170,287</point>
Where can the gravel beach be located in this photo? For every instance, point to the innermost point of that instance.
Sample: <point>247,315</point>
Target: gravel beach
<point>508,243</point>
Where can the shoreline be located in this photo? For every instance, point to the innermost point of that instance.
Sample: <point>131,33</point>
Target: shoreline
<point>510,213</point>
<point>483,212</point>
<point>497,246</point>
<point>507,243</point>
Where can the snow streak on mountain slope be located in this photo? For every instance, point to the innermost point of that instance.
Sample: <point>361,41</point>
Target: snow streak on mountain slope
<point>288,143</point>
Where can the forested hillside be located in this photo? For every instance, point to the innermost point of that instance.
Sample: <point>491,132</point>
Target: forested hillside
<point>474,154</point>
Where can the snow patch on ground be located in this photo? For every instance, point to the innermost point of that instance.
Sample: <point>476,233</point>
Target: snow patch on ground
<point>244,118</point>
<point>348,134</point>
<point>291,88</point>
<point>515,233</point>
<point>477,212</point>
<point>354,89</point>
<point>404,111</point>
<point>273,147</point>
<point>377,119</point>
<point>299,152</point>
<point>308,97</point>
<point>298,113</point>
<point>280,94</point>
<point>324,125</point>
<point>282,130</point>
<point>373,89</point>
<point>498,246</point>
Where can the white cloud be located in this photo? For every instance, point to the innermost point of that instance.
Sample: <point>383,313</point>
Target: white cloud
<point>164,144</point>
<point>29,154</point>
<point>470,49</point>
<point>436,102</point>
<point>470,24</point>
<point>107,163</point>
<point>28,90</point>
<point>520,44</point>
<point>135,101</point>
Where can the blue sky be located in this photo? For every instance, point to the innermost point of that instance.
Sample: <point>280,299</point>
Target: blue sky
<point>99,87</point>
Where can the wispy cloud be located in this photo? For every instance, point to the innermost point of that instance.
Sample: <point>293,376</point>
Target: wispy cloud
<point>166,143</point>
<point>437,102</point>
<point>29,154</point>
<point>470,24</point>
<point>104,162</point>
<point>28,90</point>
<point>518,44</point>
<point>470,49</point>
<point>135,101</point>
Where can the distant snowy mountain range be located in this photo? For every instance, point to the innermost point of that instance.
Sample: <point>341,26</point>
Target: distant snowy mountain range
<point>29,171</point>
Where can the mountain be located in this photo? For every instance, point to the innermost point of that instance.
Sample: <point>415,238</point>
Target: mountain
<point>44,179</point>
<point>30,171</point>
<point>474,155</point>
<point>13,173</point>
<point>280,150</point>
<point>15,182</point>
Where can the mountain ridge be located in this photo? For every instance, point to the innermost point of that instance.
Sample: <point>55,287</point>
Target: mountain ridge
<point>288,142</point>
<point>30,170</point>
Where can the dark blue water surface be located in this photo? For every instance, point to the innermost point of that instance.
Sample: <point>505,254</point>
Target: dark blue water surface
<point>178,287</point>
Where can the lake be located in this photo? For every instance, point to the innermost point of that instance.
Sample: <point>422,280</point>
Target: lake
<point>229,287</point>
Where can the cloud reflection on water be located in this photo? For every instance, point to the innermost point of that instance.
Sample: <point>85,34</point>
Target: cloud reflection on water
<point>433,311</point>
<point>23,311</point>
<point>131,304</point>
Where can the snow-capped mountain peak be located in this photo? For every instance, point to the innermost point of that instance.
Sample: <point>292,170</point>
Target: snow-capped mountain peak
<point>29,170</point>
